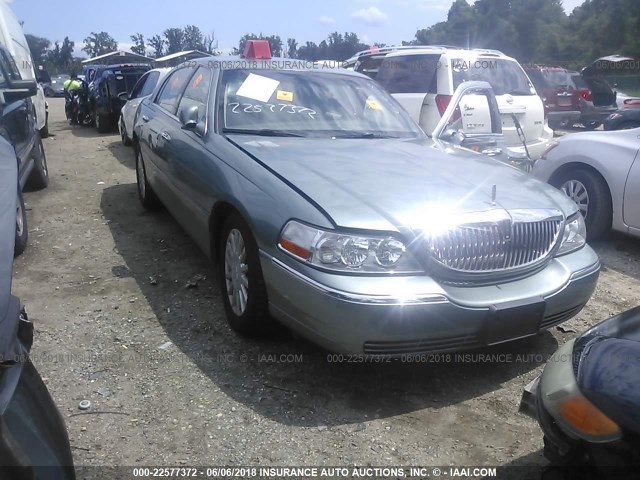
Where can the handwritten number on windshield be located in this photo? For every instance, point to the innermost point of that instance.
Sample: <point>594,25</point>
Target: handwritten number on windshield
<point>280,107</point>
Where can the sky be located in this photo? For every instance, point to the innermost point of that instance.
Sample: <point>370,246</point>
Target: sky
<point>384,21</point>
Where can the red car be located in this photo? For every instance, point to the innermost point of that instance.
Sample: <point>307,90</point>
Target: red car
<point>559,94</point>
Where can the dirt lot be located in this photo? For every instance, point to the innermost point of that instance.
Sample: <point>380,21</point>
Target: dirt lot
<point>108,284</point>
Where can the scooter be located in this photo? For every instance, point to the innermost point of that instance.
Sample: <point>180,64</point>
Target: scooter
<point>587,401</point>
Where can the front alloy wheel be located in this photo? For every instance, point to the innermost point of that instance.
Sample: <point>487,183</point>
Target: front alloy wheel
<point>244,293</point>
<point>123,132</point>
<point>22,232</point>
<point>235,272</point>
<point>591,194</point>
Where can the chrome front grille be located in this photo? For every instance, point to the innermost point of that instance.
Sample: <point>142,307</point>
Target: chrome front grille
<point>502,245</point>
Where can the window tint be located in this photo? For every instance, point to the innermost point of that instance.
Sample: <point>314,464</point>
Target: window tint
<point>196,93</point>
<point>504,76</point>
<point>10,67</point>
<point>150,84</point>
<point>409,73</point>
<point>136,92</point>
<point>173,88</point>
<point>370,66</point>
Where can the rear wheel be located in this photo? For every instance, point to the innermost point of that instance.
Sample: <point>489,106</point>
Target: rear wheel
<point>22,232</point>
<point>39,176</point>
<point>592,125</point>
<point>591,194</point>
<point>244,293</point>
<point>123,132</point>
<point>146,194</point>
<point>628,125</point>
<point>44,131</point>
<point>102,122</point>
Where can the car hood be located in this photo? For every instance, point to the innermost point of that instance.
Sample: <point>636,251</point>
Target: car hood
<point>389,184</point>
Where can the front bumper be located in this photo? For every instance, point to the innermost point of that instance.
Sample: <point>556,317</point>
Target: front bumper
<point>408,315</point>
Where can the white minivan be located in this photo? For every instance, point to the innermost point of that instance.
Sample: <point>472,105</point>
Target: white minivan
<point>423,80</point>
<point>13,39</point>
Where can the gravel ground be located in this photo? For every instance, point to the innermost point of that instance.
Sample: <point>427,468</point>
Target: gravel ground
<point>128,316</point>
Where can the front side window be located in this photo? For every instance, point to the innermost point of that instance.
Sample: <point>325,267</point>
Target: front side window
<point>172,89</point>
<point>197,93</point>
<point>504,76</point>
<point>309,103</point>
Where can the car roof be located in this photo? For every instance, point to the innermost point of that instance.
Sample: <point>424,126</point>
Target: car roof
<point>422,49</point>
<point>275,63</point>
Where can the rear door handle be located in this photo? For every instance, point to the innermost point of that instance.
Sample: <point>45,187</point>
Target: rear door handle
<point>166,136</point>
<point>145,118</point>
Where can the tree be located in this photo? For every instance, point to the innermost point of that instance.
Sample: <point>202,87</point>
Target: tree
<point>174,40</point>
<point>211,43</point>
<point>192,38</point>
<point>99,43</point>
<point>139,46</point>
<point>292,47</point>
<point>157,43</point>
<point>38,47</point>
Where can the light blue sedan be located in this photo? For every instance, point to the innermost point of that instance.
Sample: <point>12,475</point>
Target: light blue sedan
<point>327,209</point>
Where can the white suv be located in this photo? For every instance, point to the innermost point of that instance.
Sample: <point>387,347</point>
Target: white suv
<point>423,80</point>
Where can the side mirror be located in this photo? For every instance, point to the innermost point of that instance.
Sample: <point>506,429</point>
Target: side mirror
<point>189,118</point>
<point>19,90</point>
<point>124,96</point>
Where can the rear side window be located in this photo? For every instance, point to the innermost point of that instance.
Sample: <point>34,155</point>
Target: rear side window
<point>504,76</point>
<point>197,93</point>
<point>150,84</point>
<point>409,73</point>
<point>172,89</point>
<point>136,92</point>
<point>370,66</point>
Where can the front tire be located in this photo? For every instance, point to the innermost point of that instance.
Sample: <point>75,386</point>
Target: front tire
<point>22,231</point>
<point>44,131</point>
<point>592,196</point>
<point>244,293</point>
<point>39,176</point>
<point>123,132</point>
<point>147,196</point>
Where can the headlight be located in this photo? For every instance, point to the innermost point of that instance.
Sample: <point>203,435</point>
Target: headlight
<point>574,236</point>
<point>346,252</point>
<point>562,398</point>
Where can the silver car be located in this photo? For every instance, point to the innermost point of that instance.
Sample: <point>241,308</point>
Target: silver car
<point>600,171</point>
<point>142,89</point>
<point>328,209</point>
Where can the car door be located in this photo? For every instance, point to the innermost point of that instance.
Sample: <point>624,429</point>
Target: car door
<point>189,159</point>
<point>157,121</point>
<point>17,120</point>
<point>632,194</point>
<point>136,96</point>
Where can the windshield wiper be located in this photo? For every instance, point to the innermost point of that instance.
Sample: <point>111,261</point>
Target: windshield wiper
<point>363,135</point>
<point>265,132</point>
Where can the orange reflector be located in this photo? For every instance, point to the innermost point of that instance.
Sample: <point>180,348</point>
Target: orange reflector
<point>584,416</point>
<point>297,250</point>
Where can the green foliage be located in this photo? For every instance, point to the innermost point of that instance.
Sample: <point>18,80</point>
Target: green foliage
<point>539,31</point>
<point>99,43</point>
<point>139,46</point>
<point>275,42</point>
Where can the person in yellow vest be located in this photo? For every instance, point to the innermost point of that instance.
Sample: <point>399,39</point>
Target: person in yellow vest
<point>72,84</point>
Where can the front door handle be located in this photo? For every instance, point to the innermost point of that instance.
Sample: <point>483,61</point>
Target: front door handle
<point>145,118</point>
<point>166,136</point>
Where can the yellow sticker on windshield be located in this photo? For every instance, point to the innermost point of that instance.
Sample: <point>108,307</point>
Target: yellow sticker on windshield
<point>284,96</point>
<point>373,105</point>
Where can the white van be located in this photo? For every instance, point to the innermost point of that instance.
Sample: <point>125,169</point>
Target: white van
<point>13,39</point>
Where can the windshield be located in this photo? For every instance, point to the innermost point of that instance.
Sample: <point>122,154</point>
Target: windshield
<point>504,76</point>
<point>309,103</point>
